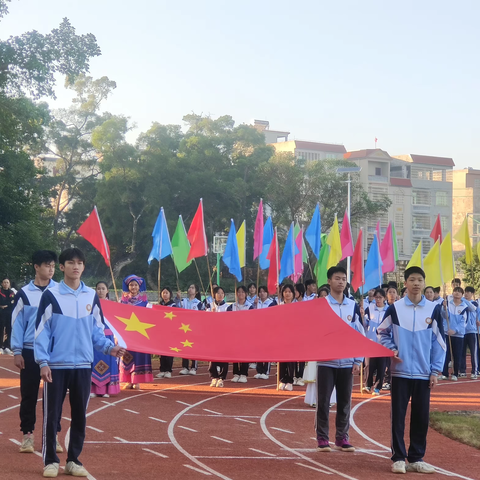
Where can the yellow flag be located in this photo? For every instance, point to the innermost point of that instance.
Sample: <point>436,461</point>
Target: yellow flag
<point>241,242</point>
<point>432,266</point>
<point>333,240</point>
<point>446,253</point>
<point>416,260</point>
<point>464,237</point>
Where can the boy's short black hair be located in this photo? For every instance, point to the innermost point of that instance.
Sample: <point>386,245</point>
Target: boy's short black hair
<point>381,291</point>
<point>44,256</point>
<point>242,287</point>
<point>456,280</point>
<point>436,289</point>
<point>383,286</point>
<point>309,282</point>
<point>333,270</point>
<point>300,288</point>
<point>323,289</point>
<point>252,284</point>
<point>412,270</point>
<point>459,289</point>
<point>403,291</point>
<point>470,289</point>
<point>392,283</point>
<point>71,254</point>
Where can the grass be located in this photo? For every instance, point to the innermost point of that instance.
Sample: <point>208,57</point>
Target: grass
<point>462,426</point>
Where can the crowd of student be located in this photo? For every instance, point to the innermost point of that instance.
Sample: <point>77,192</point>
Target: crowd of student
<point>42,339</point>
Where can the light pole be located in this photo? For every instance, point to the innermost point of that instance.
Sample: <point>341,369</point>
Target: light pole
<point>348,171</point>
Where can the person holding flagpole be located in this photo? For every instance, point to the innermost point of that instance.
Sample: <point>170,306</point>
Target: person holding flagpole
<point>166,362</point>
<point>287,369</point>
<point>135,367</point>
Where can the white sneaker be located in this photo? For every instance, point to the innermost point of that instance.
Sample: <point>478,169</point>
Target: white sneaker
<point>300,382</point>
<point>235,378</point>
<point>192,371</point>
<point>1,351</point>
<point>7,351</point>
<point>58,447</point>
<point>106,395</point>
<point>399,467</point>
<point>219,383</point>
<point>183,371</point>
<point>289,387</point>
<point>442,377</point>
<point>281,386</point>
<point>27,445</point>
<point>242,379</point>
<point>214,381</point>
<point>420,467</point>
<point>160,375</point>
<point>462,375</point>
<point>168,374</point>
<point>71,468</point>
<point>93,395</point>
<point>257,376</point>
<point>252,365</point>
<point>454,379</point>
<point>264,376</point>
<point>136,386</point>
<point>51,470</point>
<point>473,376</point>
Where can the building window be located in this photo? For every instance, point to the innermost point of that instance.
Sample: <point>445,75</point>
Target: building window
<point>426,244</point>
<point>441,198</point>
<point>444,222</point>
<point>331,156</point>
<point>421,197</point>
<point>476,183</point>
<point>400,245</point>
<point>437,175</point>
<point>449,176</point>
<point>421,222</point>
<point>378,171</point>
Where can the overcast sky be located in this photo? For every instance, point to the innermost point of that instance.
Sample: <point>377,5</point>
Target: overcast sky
<point>338,71</point>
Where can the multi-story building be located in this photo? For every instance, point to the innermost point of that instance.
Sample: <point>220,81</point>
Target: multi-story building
<point>466,203</point>
<point>311,151</point>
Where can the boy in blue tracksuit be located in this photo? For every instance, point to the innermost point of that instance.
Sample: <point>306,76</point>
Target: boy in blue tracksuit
<point>412,329</point>
<point>24,317</point>
<point>470,339</point>
<point>337,373</point>
<point>69,325</point>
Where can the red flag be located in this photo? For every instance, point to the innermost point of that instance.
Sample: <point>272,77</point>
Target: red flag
<point>207,335</point>
<point>91,230</point>
<point>274,264</point>
<point>258,233</point>
<point>387,251</point>
<point>357,265</point>
<point>346,237</point>
<point>437,230</point>
<point>197,236</point>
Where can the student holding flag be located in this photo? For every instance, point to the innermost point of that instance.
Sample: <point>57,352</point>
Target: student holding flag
<point>287,369</point>
<point>166,362</point>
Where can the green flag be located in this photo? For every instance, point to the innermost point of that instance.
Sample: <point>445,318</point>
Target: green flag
<point>395,244</point>
<point>180,246</point>
<point>296,230</point>
<point>320,269</point>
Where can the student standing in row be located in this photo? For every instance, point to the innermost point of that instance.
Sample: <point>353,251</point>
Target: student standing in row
<point>287,369</point>
<point>7,299</point>
<point>470,339</point>
<point>310,289</point>
<point>263,301</point>
<point>166,362</point>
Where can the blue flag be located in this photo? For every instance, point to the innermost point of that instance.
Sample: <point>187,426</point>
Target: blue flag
<point>373,267</point>
<point>161,239</point>
<point>267,240</point>
<point>313,234</point>
<point>287,263</point>
<point>231,257</point>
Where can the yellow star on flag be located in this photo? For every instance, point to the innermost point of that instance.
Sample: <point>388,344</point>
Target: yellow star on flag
<point>175,349</point>
<point>186,343</point>
<point>185,328</point>
<point>170,315</point>
<point>135,325</point>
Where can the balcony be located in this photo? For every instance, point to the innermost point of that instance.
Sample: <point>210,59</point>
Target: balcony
<point>377,179</point>
<point>421,208</point>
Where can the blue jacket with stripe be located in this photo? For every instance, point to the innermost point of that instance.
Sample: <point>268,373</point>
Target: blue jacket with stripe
<point>69,326</point>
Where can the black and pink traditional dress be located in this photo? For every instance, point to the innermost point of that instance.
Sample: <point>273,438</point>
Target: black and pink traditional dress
<point>135,367</point>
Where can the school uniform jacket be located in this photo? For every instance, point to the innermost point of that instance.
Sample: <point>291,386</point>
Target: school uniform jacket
<point>471,326</point>
<point>374,317</point>
<point>457,317</point>
<point>269,302</point>
<point>24,316</point>
<point>69,325</point>
<point>194,304</point>
<point>415,331</point>
<point>220,307</point>
<point>236,307</point>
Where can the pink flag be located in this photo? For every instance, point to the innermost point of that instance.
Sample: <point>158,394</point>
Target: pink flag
<point>258,233</point>
<point>298,257</point>
<point>346,237</point>
<point>387,251</point>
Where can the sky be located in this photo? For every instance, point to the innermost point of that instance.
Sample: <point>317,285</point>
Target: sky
<point>338,71</point>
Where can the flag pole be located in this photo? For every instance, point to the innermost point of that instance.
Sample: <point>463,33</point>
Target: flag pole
<point>258,274</point>
<point>113,280</point>
<point>209,276</point>
<point>361,365</point>
<point>200,278</point>
<point>176,274</point>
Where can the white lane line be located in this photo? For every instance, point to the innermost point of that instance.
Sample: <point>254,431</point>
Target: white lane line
<point>291,450</point>
<point>189,429</point>
<point>67,419</point>
<point>281,430</point>
<point>221,415</point>
<point>221,439</point>
<point>313,468</point>
<point>108,403</point>
<point>14,397</point>
<point>197,469</point>
<point>122,440</point>
<point>244,420</point>
<point>261,451</point>
<point>131,411</point>
<point>159,396</point>
<point>95,429</point>
<point>155,453</point>
<point>371,440</point>
<point>16,442</point>
<point>231,457</point>
<point>11,371</point>
<point>9,408</point>
<point>211,411</point>
<point>295,410</point>
<point>157,419</point>
<point>183,403</point>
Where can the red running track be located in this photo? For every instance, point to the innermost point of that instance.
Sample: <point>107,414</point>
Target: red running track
<point>180,428</point>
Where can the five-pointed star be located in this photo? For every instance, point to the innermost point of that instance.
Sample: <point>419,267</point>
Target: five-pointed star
<point>170,315</point>
<point>175,349</point>
<point>135,325</point>
<point>185,328</point>
<point>186,343</point>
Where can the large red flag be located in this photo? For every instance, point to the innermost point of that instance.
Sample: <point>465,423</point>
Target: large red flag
<point>437,230</point>
<point>346,237</point>
<point>207,335</point>
<point>197,236</point>
<point>91,230</point>
<point>258,233</point>
<point>272,255</point>
<point>387,251</point>
<point>357,265</point>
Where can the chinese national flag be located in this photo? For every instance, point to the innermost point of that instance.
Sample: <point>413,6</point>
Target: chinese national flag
<point>91,230</point>
<point>215,335</point>
<point>197,236</point>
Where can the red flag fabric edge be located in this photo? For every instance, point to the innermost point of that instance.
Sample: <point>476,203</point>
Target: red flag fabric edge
<point>91,230</point>
<point>197,236</point>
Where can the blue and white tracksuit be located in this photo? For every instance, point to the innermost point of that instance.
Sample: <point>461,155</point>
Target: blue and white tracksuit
<point>337,374</point>
<point>415,331</point>
<point>69,326</point>
<point>24,316</point>
<point>187,304</point>
<point>470,341</point>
